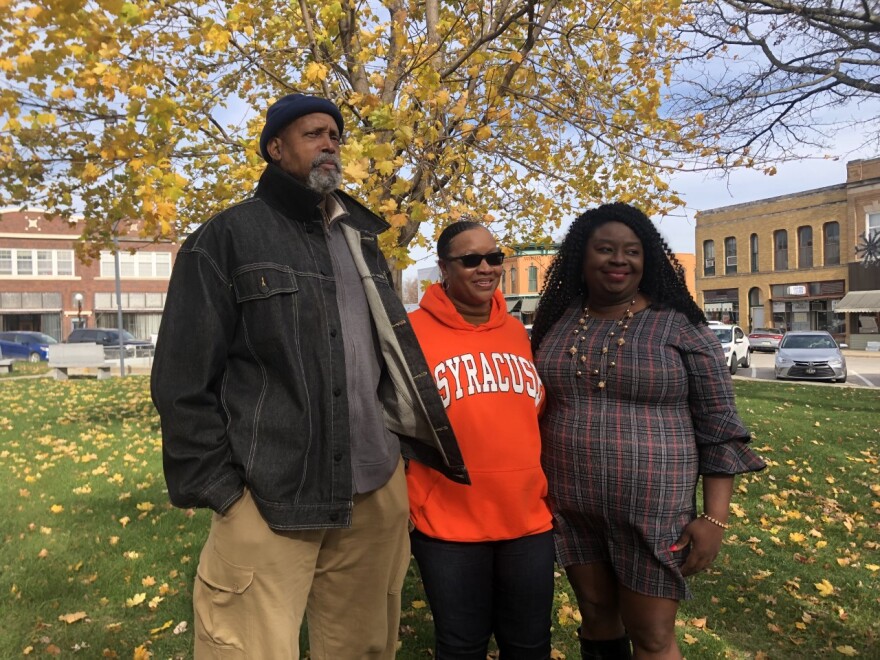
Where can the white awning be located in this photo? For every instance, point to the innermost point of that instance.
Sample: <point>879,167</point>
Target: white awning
<point>859,301</point>
<point>529,305</point>
<point>513,305</point>
<point>718,307</point>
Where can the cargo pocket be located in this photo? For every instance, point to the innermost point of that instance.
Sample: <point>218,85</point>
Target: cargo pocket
<point>223,619</point>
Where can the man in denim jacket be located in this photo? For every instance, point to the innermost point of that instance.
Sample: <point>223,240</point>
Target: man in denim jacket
<point>288,382</point>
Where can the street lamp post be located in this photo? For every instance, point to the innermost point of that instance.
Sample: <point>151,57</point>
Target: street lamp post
<point>109,122</point>
<point>118,301</point>
<point>79,309</point>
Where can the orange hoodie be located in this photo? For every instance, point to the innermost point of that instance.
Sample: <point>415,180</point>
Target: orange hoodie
<point>487,380</point>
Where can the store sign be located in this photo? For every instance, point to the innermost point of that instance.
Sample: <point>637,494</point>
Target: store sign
<point>796,290</point>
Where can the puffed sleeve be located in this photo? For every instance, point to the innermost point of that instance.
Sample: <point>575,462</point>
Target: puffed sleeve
<point>722,438</point>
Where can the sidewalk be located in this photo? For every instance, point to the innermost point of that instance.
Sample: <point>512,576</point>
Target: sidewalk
<point>851,352</point>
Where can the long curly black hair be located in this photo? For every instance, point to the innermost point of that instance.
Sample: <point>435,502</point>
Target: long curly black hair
<point>662,279</point>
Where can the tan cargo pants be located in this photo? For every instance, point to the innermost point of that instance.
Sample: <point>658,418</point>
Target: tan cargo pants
<point>254,584</point>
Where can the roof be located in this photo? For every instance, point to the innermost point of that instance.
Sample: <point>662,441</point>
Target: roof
<point>859,301</point>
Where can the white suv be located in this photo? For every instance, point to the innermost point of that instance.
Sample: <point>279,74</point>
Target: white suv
<point>735,342</point>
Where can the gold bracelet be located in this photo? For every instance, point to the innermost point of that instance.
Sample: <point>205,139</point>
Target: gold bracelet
<point>714,521</point>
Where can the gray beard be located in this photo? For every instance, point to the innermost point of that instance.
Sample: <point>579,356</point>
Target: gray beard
<point>322,181</point>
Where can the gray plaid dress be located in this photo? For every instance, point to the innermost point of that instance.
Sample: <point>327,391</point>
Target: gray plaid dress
<point>623,462</point>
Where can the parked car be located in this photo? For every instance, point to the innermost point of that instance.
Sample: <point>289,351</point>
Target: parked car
<point>735,344</point>
<point>765,339</point>
<point>812,355</point>
<point>109,339</point>
<point>26,345</point>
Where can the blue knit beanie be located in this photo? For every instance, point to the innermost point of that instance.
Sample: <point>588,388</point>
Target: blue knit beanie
<point>290,107</point>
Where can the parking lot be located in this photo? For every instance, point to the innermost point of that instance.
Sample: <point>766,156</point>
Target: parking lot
<point>863,369</point>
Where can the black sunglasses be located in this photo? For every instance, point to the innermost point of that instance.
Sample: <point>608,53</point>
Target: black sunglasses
<point>474,260</point>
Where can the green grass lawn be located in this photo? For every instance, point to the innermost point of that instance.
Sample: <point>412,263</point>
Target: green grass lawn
<point>95,562</point>
<point>21,368</point>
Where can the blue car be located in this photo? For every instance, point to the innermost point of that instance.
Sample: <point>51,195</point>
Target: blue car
<point>25,345</point>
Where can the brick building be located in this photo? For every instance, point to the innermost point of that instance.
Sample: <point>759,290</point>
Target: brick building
<point>788,261</point>
<point>44,287</point>
<point>523,278</point>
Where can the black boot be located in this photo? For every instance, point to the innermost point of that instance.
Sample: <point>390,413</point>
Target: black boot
<point>605,649</point>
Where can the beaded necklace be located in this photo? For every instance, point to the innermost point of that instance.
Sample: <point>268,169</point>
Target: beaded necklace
<point>605,367</point>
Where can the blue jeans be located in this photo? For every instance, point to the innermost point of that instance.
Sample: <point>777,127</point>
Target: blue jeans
<point>477,589</point>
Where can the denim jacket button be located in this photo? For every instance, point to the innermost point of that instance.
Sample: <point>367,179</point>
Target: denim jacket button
<point>332,332</point>
<point>337,391</point>
<point>334,517</point>
<point>337,456</point>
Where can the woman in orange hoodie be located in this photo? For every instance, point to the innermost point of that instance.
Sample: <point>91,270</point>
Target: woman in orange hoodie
<point>485,551</point>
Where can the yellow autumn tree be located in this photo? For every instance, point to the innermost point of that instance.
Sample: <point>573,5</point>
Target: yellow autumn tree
<point>517,111</point>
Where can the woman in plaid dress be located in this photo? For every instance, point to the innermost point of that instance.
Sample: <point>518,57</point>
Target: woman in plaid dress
<point>639,406</point>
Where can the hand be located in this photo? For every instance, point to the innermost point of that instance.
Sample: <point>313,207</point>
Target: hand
<point>704,538</point>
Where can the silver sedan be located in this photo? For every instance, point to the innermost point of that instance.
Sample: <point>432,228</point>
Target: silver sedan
<point>810,355</point>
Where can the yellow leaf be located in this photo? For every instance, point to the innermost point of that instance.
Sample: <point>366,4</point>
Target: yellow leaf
<point>872,567</point>
<point>56,508</point>
<point>135,600</point>
<point>689,639</point>
<point>484,132</point>
<point>124,520</point>
<point>73,617</point>
<point>315,72</point>
<point>164,626</point>
<point>148,581</point>
<point>846,650</point>
<point>141,653</point>
<point>797,537</point>
<point>418,604</point>
<point>357,170</point>
<point>824,587</point>
<point>145,506</point>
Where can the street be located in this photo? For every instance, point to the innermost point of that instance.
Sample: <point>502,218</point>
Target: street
<point>863,369</point>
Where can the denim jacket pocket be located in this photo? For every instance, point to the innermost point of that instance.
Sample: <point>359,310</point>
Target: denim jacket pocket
<point>263,281</point>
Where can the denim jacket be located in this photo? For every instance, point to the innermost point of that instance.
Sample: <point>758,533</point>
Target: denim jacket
<point>249,371</point>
